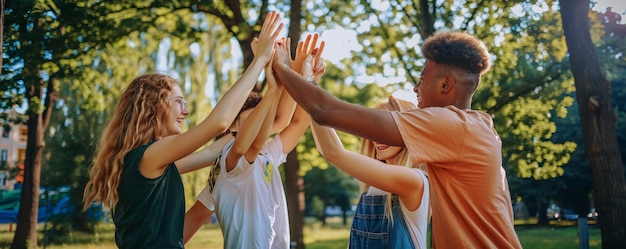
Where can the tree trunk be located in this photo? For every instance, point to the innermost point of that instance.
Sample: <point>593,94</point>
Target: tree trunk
<point>294,192</point>
<point>427,17</point>
<point>1,30</point>
<point>598,122</point>
<point>294,183</point>
<point>542,214</point>
<point>26,232</point>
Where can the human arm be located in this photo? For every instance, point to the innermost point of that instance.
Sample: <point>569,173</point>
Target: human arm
<point>304,49</point>
<point>203,158</point>
<point>251,126</point>
<point>195,217</point>
<point>290,136</point>
<point>266,126</point>
<point>249,130</point>
<point>174,147</point>
<point>405,182</point>
<point>286,105</point>
<point>324,108</point>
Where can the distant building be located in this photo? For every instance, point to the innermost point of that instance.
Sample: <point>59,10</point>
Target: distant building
<point>12,150</point>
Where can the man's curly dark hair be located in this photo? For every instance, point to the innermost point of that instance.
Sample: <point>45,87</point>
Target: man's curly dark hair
<point>459,50</point>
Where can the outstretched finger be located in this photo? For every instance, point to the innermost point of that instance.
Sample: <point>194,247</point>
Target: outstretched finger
<point>319,52</point>
<point>269,25</point>
<point>277,31</point>
<point>306,46</point>
<point>288,44</point>
<point>271,19</point>
<point>314,43</point>
<point>299,48</point>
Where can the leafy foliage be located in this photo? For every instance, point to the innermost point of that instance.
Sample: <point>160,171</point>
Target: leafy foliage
<point>95,48</point>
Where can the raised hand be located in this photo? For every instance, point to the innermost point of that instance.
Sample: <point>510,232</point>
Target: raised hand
<point>305,48</point>
<point>263,46</point>
<point>320,67</point>
<point>307,65</point>
<point>318,54</point>
<point>272,83</point>
<point>281,55</point>
<point>254,44</point>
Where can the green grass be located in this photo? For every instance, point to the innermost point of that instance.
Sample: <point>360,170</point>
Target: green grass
<point>556,237</point>
<point>333,236</point>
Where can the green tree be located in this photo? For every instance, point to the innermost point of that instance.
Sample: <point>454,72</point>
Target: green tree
<point>77,121</point>
<point>193,48</point>
<point>576,181</point>
<point>520,91</point>
<point>330,187</point>
<point>24,35</point>
<point>1,30</point>
<point>611,53</point>
<point>45,41</point>
<point>523,90</point>
<point>598,123</point>
<point>75,126</point>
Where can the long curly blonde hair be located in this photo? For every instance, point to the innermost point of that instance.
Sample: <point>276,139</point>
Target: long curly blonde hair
<point>402,158</point>
<point>137,120</point>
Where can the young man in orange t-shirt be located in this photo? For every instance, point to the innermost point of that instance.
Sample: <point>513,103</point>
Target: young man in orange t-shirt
<point>470,195</point>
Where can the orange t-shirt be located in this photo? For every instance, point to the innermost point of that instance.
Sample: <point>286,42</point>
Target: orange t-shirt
<point>471,204</point>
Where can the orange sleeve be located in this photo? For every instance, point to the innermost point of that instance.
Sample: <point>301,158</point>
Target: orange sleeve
<point>431,134</point>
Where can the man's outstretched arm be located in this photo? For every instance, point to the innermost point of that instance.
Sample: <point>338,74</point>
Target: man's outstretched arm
<point>326,109</point>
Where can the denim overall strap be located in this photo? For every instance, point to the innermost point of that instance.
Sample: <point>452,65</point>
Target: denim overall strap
<point>399,235</point>
<point>371,229</point>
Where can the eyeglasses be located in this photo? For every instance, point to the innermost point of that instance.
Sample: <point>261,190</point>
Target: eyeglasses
<point>182,103</point>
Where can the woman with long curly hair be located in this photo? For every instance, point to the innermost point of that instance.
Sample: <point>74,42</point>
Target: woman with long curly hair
<point>136,171</point>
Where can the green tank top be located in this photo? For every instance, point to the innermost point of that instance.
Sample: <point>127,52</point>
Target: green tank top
<point>150,213</point>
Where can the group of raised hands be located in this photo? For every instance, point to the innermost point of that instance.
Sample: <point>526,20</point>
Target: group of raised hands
<point>307,61</point>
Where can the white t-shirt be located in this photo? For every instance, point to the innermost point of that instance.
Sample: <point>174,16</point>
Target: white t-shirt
<point>416,220</point>
<point>249,201</point>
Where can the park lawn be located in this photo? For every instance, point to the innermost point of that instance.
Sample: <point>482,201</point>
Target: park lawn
<point>316,236</point>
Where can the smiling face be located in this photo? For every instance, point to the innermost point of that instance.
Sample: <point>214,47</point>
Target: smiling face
<point>177,112</point>
<point>427,89</point>
<point>385,152</point>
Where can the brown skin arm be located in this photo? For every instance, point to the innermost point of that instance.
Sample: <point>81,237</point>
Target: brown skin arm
<point>327,110</point>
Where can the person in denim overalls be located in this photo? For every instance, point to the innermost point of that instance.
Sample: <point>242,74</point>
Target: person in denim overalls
<point>393,210</point>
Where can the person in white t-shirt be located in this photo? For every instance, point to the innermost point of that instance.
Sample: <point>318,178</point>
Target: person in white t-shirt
<point>245,189</point>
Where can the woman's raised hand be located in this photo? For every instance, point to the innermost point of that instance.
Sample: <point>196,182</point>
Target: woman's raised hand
<point>264,45</point>
<point>307,65</point>
<point>281,55</point>
<point>319,68</point>
<point>272,82</point>
<point>305,48</point>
